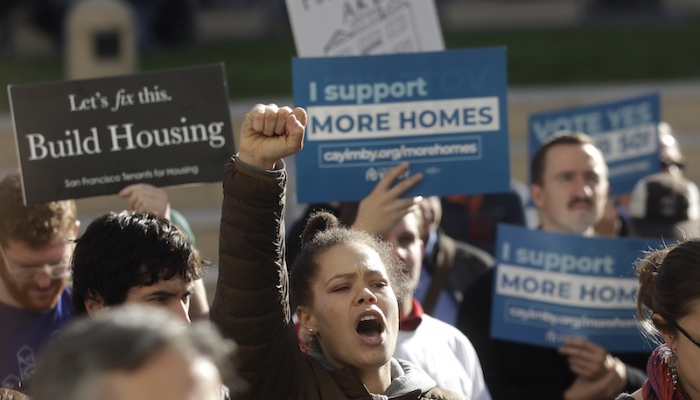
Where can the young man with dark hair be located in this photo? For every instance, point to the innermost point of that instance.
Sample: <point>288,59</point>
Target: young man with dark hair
<point>132,257</point>
<point>35,249</point>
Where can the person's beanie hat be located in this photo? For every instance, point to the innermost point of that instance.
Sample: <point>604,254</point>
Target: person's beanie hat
<point>665,205</point>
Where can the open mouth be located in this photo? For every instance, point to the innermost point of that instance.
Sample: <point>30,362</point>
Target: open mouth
<point>370,327</point>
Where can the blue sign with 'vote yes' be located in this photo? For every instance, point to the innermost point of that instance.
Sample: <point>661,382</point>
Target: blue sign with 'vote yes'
<point>625,131</point>
<point>443,112</point>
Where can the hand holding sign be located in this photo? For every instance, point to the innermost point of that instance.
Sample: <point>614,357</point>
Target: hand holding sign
<point>270,133</point>
<point>383,207</point>
<point>600,375</point>
<point>587,359</point>
<point>144,198</point>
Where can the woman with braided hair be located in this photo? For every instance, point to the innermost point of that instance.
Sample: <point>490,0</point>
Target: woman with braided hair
<point>344,286</point>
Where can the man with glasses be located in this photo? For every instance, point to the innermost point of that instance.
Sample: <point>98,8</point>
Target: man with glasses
<point>35,249</point>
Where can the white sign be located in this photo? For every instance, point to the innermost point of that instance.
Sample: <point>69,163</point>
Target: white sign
<point>325,28</point>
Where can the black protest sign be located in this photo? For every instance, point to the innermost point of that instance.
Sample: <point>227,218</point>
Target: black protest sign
<point>94,137</point>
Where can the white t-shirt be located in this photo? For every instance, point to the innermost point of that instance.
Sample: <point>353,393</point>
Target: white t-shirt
<point>446,355</point>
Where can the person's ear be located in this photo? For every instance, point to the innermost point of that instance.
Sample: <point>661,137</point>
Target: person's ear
<point>307,321</point>
<point>669,335</point>
<point>95,304</point>
<point>536,195</point>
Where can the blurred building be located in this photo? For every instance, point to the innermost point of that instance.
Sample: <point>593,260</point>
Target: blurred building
<point>31,27</point>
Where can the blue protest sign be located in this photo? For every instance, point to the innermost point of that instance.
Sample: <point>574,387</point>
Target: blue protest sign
<point>549,287</point>
<point>443,112</point>
<point>625,131</point>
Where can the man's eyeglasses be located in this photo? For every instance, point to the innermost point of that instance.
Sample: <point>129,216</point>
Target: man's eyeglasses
<point>28,274</point>
<point>681,330</point>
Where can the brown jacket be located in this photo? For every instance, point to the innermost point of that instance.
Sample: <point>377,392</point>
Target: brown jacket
<point>251,304</point>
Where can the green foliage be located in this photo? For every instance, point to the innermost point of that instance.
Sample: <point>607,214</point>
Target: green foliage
<point>261,68</point>
<point>256,68</point>
<point>594,54</point>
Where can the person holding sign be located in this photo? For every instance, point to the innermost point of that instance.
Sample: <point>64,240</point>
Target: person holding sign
<point>35,249</point>
<point>668,305</point>
<point>570,187</point>
<point>344,285</point>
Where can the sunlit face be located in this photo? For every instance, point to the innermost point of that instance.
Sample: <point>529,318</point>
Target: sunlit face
<point>574,189</point>
<point>167,375</point>
<point>173,295</point>
<point>355,312</point>
<point>408,246</point>
<point>41,293</point>
<point>687,352</point>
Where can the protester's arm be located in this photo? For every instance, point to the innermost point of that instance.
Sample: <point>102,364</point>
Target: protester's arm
<point>199,304</point>
<point>269,134</point>
<point>383,207</point>
<point>251,300</point>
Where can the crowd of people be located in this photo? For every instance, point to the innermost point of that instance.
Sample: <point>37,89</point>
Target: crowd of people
<point>379,299</point>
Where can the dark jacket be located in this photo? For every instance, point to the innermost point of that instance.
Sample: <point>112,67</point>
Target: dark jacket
<point>468,262</point>
<point>251,303</point>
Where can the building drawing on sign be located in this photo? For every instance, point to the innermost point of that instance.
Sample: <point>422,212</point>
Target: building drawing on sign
<point>377,30</point>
